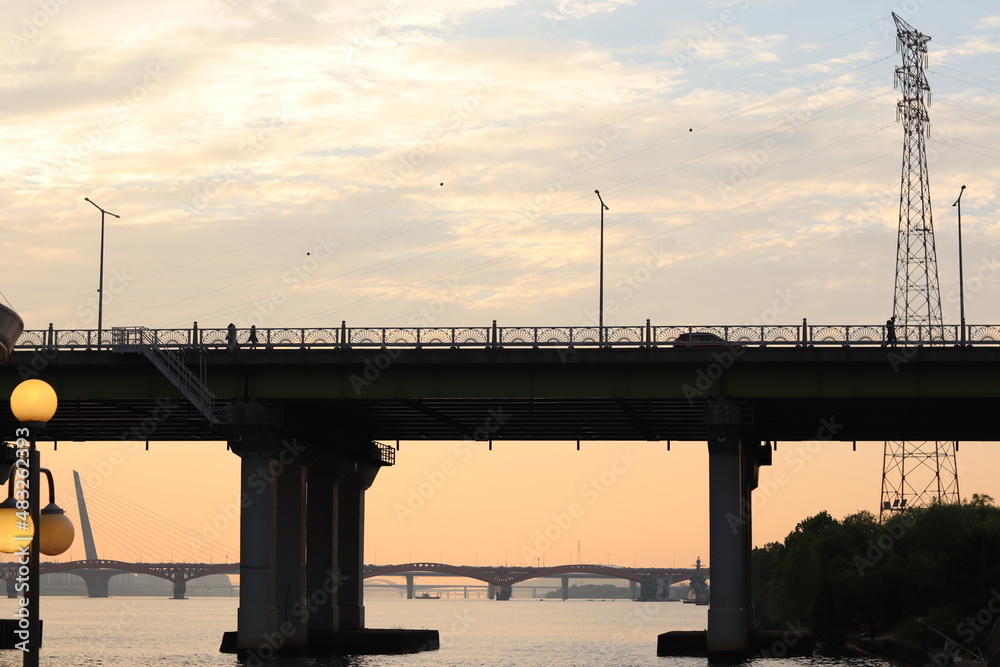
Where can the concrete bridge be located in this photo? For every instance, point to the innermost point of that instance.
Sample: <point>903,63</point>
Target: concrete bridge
<point>305,408</point>
<point>97,586</point>
<point>500,579</point>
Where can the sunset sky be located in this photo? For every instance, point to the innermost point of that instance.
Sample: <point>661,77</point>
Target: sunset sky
<point>399,163</point>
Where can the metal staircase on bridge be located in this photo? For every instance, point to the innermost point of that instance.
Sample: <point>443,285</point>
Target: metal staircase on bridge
<point>142,340</point>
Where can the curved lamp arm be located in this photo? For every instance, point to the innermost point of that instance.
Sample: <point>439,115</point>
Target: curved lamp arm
<point>48,475</point>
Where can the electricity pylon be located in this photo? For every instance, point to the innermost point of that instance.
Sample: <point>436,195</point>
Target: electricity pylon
<point>915,474</point>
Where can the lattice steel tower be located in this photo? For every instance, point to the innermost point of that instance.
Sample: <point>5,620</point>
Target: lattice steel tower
<point>914,474</point>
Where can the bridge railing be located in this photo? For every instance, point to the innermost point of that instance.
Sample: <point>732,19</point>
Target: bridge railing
<point>494,336</point>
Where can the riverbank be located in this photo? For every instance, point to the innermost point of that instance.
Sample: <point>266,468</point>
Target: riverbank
<point>899,652</point>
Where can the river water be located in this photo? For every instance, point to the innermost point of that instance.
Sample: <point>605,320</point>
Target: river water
<point>139,631</point>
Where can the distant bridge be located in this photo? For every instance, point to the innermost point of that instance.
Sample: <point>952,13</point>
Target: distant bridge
<point>499,575</point>
<point>181,573</point>
<point>500,579</point>
<point>177,573</point>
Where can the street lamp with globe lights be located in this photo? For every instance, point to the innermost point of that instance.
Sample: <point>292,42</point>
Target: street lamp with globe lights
<point>33,403</point>
<point>55,532</point>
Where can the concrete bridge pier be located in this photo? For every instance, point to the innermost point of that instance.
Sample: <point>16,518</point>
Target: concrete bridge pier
<point>301,543</point>
<point>322,569</point>
<point>632,593</point>
<point>733,465</point>
<point>180,588</point>
<point>409,587</point>
<point>355,478</point>
<point>565,588</point>
<point>12,593</point>
<point>97,581</point>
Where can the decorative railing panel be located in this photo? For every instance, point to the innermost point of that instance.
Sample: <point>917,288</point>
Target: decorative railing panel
<point>648,335</point>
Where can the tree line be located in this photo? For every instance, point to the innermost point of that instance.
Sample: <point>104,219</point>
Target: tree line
<point>940,564</point>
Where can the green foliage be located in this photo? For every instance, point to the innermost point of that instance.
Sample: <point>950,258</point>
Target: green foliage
<point>938,562</point>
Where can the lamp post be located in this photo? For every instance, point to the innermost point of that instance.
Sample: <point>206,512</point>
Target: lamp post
<point>600,309</point>
<point>33,403</point>
<point>100,285</point>
<point>961,281</point>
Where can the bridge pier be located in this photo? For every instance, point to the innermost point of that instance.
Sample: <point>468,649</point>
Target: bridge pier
<point>409,587</point>
<point>351,542</point>
<point>301,543</point>
<point>180,588</point>
<point>565,588</point>
<point>97,581</point>
<point>733,466</point>
<point>321,550</point>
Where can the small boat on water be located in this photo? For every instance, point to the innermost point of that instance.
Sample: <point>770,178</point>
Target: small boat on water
<point>427,596</point>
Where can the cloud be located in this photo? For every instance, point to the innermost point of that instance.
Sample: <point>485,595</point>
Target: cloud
<point>566,10</point>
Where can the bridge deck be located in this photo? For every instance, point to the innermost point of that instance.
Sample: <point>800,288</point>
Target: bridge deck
<point>644,393</point>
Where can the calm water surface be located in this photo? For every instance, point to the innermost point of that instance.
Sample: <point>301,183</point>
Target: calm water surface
<point>131,631</point>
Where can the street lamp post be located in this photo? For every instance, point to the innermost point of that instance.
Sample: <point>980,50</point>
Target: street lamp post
<point>100,285</point>
<point>961,280</point>
<point>600,309</point>
<point>33,403</point>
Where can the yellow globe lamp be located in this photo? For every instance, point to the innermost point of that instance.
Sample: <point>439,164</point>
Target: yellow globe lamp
<point>33,400</point>
<point>55,530</point>
<point>15,531</point>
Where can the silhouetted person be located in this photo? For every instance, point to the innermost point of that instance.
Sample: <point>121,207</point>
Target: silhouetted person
<point>253,337</point>
<point>890,331</point>
<point>231,337</point>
